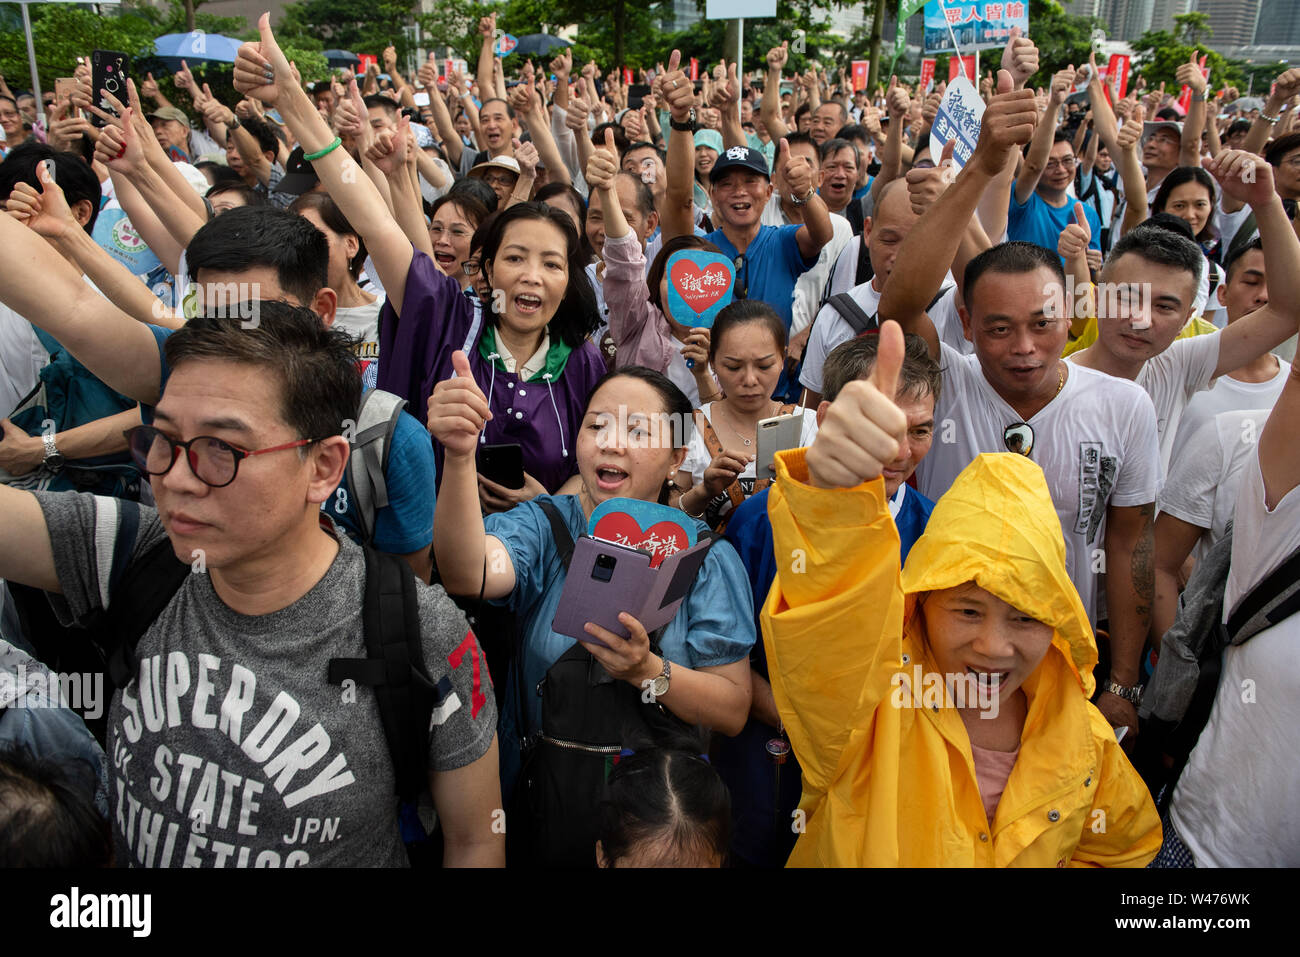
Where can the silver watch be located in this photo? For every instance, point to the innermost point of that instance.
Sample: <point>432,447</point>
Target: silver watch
<point>659,684</point>
<point>54,459</point>
<point>1133,694</point>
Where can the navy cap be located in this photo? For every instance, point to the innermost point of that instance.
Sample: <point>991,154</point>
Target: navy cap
<point>739,157</point>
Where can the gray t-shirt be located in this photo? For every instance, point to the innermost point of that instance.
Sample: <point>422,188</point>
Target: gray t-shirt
<point>229,748</point>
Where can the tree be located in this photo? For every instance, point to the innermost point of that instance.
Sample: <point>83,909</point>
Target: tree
<point>1062,38</point>
<point>1159,55</point>
<point>1192,25</point>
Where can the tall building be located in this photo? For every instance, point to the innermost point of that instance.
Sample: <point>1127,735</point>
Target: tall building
<point>1233,21</point>
<point>1278,23</point>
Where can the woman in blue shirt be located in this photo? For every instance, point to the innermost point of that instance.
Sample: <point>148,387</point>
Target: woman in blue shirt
<point>630,445</point>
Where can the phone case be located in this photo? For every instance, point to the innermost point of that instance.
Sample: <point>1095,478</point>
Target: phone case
<point>599,593</point>
<point>774,435</point>
<point>503,464</point>
<point>109,70</point>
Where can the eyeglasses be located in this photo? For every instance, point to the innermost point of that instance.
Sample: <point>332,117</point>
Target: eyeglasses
<point>1019,438</point>
<point>503,179</point>
<point>470,267</point>
<point>457,232</point>
<point>1065,162</point>
<point>742,278</point>
<point>213,462</point>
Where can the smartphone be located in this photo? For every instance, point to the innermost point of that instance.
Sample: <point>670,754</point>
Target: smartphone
<point>776,434</point>
<point>64,87</point>
<point>503,464</point>
<point>604,580</point>
<point>108,72</point>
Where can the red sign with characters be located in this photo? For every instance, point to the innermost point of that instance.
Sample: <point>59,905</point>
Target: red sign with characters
<point>927,72</point>
<point>965,64</point>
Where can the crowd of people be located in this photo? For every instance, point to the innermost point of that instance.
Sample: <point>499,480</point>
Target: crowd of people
<point>955,622</point>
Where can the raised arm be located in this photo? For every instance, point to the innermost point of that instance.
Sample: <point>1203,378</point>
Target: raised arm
<point>933,242</point>
<point>833,627</point>
<point>1249,179</point>
<point>677,216</point>
<point>451,141</point>
<point>113,346</point>
<point>1189,74</point>
<point>1031,171</point>
<point>1286,86</point>
<point>1130,171</point>
<point>393,154</point>
<point>726,99</point>
<point>770,109</point>
<point>1072,246</point>
<point>357,197</point>
<point>532,116</point>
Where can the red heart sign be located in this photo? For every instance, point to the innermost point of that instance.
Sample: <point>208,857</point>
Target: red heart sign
<point>660,540</point>
<point>701,288</point>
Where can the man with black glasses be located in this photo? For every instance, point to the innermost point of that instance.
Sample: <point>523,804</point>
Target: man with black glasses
<point>231,747</point>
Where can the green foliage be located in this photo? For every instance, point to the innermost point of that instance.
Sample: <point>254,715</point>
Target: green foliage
<point>1159,54</point>
<point>1063,39</point>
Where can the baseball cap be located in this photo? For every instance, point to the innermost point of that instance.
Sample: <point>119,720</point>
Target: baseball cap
<point>1150,127</point>
<point>170,113</point>
<point>739,157</point>
<point>299,175</point>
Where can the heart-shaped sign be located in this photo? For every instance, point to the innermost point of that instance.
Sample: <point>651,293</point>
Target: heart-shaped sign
<point>700,285</point>
<point>505,43</point>
<point>648,526</point>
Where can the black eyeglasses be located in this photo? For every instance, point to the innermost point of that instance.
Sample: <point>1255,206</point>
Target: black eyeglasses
<point>742,279</point>
<point>1019,438</point>
<point>213,462</point>
<point>470,267</point>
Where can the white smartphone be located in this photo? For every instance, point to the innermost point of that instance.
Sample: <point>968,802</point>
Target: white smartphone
<point>776,434</point>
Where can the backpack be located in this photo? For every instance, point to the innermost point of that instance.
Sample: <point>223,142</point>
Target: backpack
<point>394,664</point>
<point>371,443</point>
<point>1183,688</point>
<point>586,715</point>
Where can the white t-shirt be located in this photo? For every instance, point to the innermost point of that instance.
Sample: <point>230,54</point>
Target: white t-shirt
<point>362,324</point>
<point>1228,394</point>
<point>1096,444</point>
<point>1201,488</point>
<point>698,458</point>
<point>1171,379</point>
<point>1236,802</point>
<point>831,329</point>
<point>810,288</point>
<point>21,359</point>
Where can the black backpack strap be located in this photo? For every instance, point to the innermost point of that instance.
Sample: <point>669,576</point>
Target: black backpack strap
<point>146,587</point>
<point>1267,603</point>
<point>943,291</point>
<point>865,271</point>
<point>853,314</point>
<point>394,668</point>
<point>560,532</point>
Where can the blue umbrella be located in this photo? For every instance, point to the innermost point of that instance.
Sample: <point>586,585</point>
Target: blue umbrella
<point>198,45</point>
<point>539,44</point>
<point>341,58</point>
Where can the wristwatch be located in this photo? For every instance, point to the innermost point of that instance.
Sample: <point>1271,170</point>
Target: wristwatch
<point>1133,694</point>
<point>689,126</point>
<point>659,684</point>
<point>233,124</point>
<point>796,201</point>
<point>53,457</point>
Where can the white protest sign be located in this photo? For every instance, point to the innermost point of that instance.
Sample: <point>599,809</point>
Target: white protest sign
<point>958,118</point>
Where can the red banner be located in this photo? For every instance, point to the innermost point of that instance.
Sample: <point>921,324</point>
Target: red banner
<point>965,64</point>
<point>447,67</point>
<point>927,72</point>
<point>1117,75</point>
<point>366,60</point>
<point>695,69</point>
<point>861,70</point>
<point>627,76</point>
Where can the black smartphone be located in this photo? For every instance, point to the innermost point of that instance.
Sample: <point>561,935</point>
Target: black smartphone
<point>503,464</point>
<point>108,72</point>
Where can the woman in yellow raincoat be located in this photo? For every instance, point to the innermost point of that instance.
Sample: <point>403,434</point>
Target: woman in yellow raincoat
<point>941,719</point>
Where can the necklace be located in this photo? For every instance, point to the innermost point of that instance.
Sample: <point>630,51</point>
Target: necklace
<point>748,442</point>
<point>1060,382</point>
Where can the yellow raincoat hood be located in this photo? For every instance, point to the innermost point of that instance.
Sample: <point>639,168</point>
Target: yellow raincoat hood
<point>888,777</point>
<point>997,527</point>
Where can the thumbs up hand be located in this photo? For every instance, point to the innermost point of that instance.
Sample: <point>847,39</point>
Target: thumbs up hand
<point>864,428</point>
<point>1075,237</point>
<point>458,410</point>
